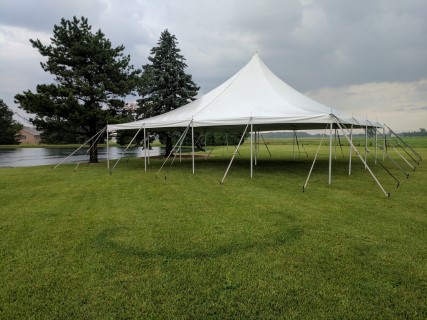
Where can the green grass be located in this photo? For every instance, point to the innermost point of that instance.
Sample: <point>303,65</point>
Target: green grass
<point>91,245</point>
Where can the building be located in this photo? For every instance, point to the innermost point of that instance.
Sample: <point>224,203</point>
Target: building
<point>29,135</point>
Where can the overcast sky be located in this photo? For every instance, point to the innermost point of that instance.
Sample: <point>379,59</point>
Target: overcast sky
<point>366,57</point>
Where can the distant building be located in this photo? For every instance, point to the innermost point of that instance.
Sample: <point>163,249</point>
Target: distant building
<point>29,136</point>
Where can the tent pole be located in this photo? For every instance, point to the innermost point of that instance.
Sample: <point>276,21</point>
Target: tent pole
<point>252,138</point>
<point>145,151</point>
<point>330,152</point>
<point>376,145</point>
<point>351,151</point>
<point>366,145</point>
<point>235,152</point>
<point>361,158</point>
<point>148,146</point>
<point>192,142</point>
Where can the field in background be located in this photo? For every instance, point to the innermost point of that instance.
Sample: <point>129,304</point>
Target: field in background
<point>88,244</point>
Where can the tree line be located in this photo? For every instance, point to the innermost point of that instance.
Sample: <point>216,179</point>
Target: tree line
<point>91,81</point>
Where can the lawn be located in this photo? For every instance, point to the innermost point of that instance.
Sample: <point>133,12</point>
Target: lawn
<point>91,245</point>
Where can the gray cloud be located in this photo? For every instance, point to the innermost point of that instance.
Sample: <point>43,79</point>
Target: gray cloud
<point>311,44</point>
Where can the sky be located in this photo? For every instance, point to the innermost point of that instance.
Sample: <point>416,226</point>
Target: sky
<point>367,58</point>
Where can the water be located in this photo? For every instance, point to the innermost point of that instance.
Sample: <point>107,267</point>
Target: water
<point>27,157</point>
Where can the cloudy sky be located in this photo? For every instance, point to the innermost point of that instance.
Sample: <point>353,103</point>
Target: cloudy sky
<point>367,57</point>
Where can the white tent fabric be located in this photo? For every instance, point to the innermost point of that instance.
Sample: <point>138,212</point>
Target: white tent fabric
<point>254,94</point>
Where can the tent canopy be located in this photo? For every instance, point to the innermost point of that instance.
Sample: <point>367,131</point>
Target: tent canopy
<point>253,95</point>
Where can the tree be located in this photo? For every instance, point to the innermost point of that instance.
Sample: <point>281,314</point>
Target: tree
<point>165,85</point>
<point>9,128</point>
<point>91,80</point>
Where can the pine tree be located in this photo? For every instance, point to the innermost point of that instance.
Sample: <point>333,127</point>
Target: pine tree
<point>9,128</point>
<point>91,80</point>
<point>165,85</point>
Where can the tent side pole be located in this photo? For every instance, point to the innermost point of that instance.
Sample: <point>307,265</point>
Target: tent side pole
<point>335,145</point>
<point>351,151</point>
<point>376,145</point>
<point>192,142</point>
<point>366,145</point>
<point>145,151</point>
<point>330,152</point>
<point>252,139</point>
<point>384,144</point>
<point>361,158</point>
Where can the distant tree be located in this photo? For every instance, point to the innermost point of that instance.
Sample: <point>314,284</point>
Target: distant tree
<point>91,80</point>
<point>165,84</point>
<point>9,128</point>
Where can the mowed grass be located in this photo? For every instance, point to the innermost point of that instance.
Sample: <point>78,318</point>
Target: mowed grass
<point>90,245</point>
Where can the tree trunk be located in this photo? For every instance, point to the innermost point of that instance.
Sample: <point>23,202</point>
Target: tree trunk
<point>93,153</point>
<point>168,145</point>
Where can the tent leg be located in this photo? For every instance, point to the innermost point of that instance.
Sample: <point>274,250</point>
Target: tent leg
<point>384,144</point>
<point>376,145</point>
<point>351,151</point>
<point>235,152</point>
<point>192,142</point>
<point>330,152</point>
<point>145,151</point>
<point>252,138</point>
<point>366,146</point>
<point>361,158</point>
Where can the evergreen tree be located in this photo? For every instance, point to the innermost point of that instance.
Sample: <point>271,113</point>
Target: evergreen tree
<point>166,86</point>
<point>9,128</point>
<point>91,80</point>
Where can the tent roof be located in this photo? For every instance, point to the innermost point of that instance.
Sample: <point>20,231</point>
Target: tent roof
<point>254,94</point>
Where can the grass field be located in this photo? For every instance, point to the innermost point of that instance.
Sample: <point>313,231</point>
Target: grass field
<point>90,245</point>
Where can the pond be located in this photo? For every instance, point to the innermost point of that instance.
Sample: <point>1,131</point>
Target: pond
<point>26,157</point>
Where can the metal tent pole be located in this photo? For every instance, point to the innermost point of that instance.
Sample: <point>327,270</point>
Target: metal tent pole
<point>330,152</point>
<point>361,158</point>
<point>351,151</point>
<point>192,142</point>
<point>376,145</point>
<point>366,145</point>
<point>252,138</point>
<point>145,151</point>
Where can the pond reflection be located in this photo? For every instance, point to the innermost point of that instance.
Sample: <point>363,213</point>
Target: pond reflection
<point>26,157</point>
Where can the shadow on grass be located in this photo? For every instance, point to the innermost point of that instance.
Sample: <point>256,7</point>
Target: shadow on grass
<point>105,240</point>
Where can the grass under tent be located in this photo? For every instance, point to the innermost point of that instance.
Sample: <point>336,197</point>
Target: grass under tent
<point>88,244</point>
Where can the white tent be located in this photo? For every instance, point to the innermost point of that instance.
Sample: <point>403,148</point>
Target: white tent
<point>253,95</point>
<point>256,98</point>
